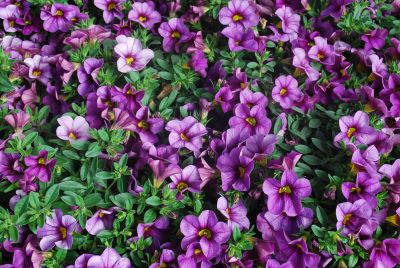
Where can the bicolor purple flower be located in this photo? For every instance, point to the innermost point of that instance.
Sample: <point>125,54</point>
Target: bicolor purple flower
<point>322,51</point>
<point>175,33</point>
<point>286,91</point>
<point>356,127</point>
<point>132,56</point>
<point>206,230</point>
<point>101,220</point>
<point>366,187</point>
<point>9,14</point>
<point>235,170</point>
<point>251,120</point>
<point>286,195</point>
<point>57,17</point>
<point>73,129</point>
<point>290,22</point>
<point>40,166</point>
<point>10,167</point>
<point>236,214</point>
<point>144,14</point>
<point>385,254</point>
<point>301,61</point>
<point>57,231</point>
<point>259,146</point>
<point>39,69</point>
<point>375,39</point>
<point>352,216</point>
<point>109,259</point>
<point>111,9</point>
<point>240,39</point>
<point>87,76</point>
<point>146,127</point>
<point>186,133</point>
<point>239,13</point>
<point>188,180</point>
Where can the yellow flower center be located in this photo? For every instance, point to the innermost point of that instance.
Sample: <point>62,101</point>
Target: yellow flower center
<point>320,56</point>
<point>142,18</point>
<point>237,17</point>
<point>285,190</point>
<point>176,34</point>
<point>27,22</point>
<point>181,186</point>
<point>63,232</point>
<point>129,60</point>
<point>241,171</point>
<point>197,251</point>
<point>346,218</point>
<point>205,232</point>
<point>283,91</point>
<point>394,220</point>
<point>101,214</point>
<point>111,6</point>
<point>36,72</point>
<point>252,121</point>
<point>184,137</point>
<point>143,124</point>
<point>41,161</point>
<point>72,136</point>
<point>351,132</point>
<point>353,189</point>
<point>59,13</point>
<point>162,265</point>
<point>342,72</point>
<point>11,23</point>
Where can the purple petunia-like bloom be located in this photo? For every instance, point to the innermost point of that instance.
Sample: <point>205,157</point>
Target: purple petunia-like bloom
<point>144,14</point>
<point>175,33</point>
<point>109,259</point>
<point>186,133</point>
<point>38,68</point>
<point>286,195</point>
<point>240,39</point>
<point>322,51</point>
<point>73,129</point>
<point>259,146</point>
<point>239,13</point>
<point>87,76</point>
<point>57,231</point>
<point>9,14</point>
<point>385,254</point>
<point>235,170</point>
<point>286,91</point>
<point>57,17</point>
<point>132,56</point>
<point>250,120</point>
<point>101,220</point>
<point>290,22</point>
<point>146,127</point>
<point>352,216</point>
<point>206,230</point>
<point>366,187</point>
<point>236,214</point>
<point>356,126</point>
<point>40,166</point>
<point>166,260</point>
<point>375,39</point>
<point>188,180</point>
<point>111,9</point>
<point>10,167</point>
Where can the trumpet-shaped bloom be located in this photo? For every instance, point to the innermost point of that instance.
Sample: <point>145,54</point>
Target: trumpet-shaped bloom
<point>73,129</point>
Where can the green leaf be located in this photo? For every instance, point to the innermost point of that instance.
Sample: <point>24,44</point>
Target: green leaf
<point>166,75</point>
<point>236,234</point>
<point>150,215</point>
<point>13,233</point>
<point>80,145</point>
<point>312,160</point>
<point>71,186</point>
<point>303,149</point>
<point>321,216</point>
<point>318,231</point>
<point>353,260</point>
<point>314,123</point>
<point>153,201</point>
<point>51,194</point>
<point>29,139</point>
<point>34,200</point>
<point>94,150</point>
<point>71,155</point>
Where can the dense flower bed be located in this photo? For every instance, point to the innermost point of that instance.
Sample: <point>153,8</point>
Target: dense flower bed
<point>242,133</point>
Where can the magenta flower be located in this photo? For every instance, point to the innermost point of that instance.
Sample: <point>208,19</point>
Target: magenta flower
<point>101,220</point>
<point>356,127</point>
<point>188,180</point>
<point>236,214</point>
<point>72,129</point>
<point>375,39</point>
<point>225,98</point>
<point>57,17</point>
<point>109,259</point>
<point>146,127</point>
<point>352,216</point>
<point>144,14</point>
<point>385,254</point>
<point>132,56</point>
<point>186,133</point>
<point>366,187</point>
<point>259,146</point>
<point>57,231</point>
<point>301,61</point>
<point>40,166</point>
<point>290,21</point>
<point>322,51</point>
<point>9,14</point>
<point>286,195</point>
<point>240,39</point>
<point>38,68</point>
<point>286,91</point>
<point>194,257</point>
<point>111,9</point>
<point>239,13</point>
<point>10,167</point>
<point>250,120</point>
<point>175,33</point>
<point>235,170</point>
<point>206,230</point>
<point>167,259</point>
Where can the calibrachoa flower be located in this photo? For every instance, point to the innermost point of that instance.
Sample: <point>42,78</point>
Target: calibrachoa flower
<point>385,254</point>
<point>186,133</point>
<point>175,33</point>
<point>207,230</point>
<point>286,195</point>
<point>109,259</point>
<point>286,91</point>
<point>101,220</point>
<point>132,56</point>
<point>188,180</point>
<point>351,216</point>
<point>111,9</point>
<point>356,127</point>
<point>239,13</point>
<point>40,166</point>
<point>73,129</point>
<point>57,17</point>
<point>38,68</point>
<point>147,127</point>
<point>236,214</point>
<point>9,15</point>
<point>290,22</point>
<point>57,231</point>
<point>144,14</point>
<point>250,120</point>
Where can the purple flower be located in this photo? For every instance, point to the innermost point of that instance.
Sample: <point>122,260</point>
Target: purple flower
<point>188,180</point>
<point>240,39</point>
<point>146,127</point>
<point>239,13</point>
<point>366,161</point>
<point>352,216</point>
<point>235,170</point>
<point>365,187</point>
<point>199,63</point>
<point>225,98</point>
<point>375,39</point>
<point>301,61</point>
<point>109,259</point>
<point>251,98</point>
<point>72,129</point>
<point>259,146</point>
<point>9,15</point>
<point>87,76</point>
<point>385,254</point>
<point>111,9</point>
<point>57,17</point>
<point>286,195</point>
<point>10,167</point>
<point>132,56</point>
<point>250,120</point>
<point>322,52</point>
<point>101,220</point>
<point>356,126</point>
<point>38,68</point>
<point>175,33</point>
<point>166,260</point>
<point>194,257</point>
<point>186,133</point>
<point>81,261</point>
<point>290,224</point>
<point>157,230</point>
<point>290,22</point>
<point>57,231</point>
<point>18,121</point>
<point>40,166</point>
<point>286,91</point>
<point>236,213</point>
<point>144,14</point>
<point>206,230</point>
<point>393,173</point>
